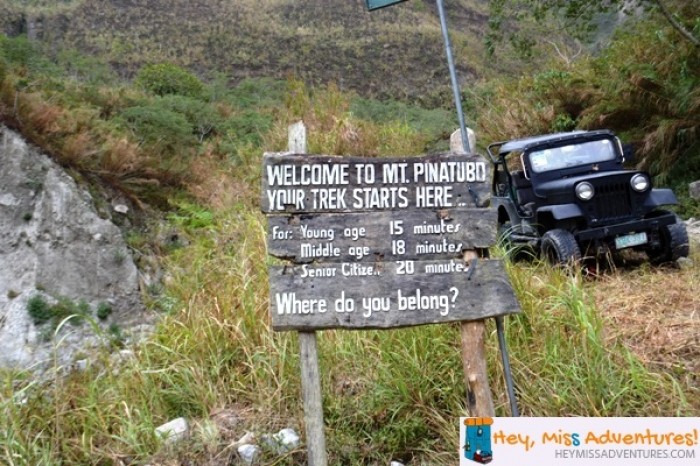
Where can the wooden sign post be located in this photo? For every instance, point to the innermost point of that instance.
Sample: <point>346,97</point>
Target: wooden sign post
<point>381,243</point>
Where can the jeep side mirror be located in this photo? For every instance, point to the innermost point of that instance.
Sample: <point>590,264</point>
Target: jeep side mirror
<point>628,152</point>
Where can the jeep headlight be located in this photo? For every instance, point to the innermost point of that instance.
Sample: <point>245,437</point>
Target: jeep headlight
<point>585,191</point>
<point>640,183</point>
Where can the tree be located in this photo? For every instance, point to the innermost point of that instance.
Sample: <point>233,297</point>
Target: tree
<point>166,78</point>
<point>579,19</point>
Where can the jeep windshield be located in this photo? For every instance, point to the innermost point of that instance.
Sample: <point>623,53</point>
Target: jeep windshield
<point>572,155</point>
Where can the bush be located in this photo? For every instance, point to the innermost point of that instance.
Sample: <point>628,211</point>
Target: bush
<point>202,117</point>
<point>85,68</point>
<point>103,311</point>
<point>158,126</point>
<point>20,52</point>
<point>39,310</point>
<point>165,78</point>
<point>247,128</point>
<point>434,123</point>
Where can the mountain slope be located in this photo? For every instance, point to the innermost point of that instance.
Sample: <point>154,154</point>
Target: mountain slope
<point>395,52</point>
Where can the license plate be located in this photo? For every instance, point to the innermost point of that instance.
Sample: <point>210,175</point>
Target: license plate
<point>627,241</point>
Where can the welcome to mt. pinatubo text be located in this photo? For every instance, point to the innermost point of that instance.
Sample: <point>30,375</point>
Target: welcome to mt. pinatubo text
<point>377,185</point>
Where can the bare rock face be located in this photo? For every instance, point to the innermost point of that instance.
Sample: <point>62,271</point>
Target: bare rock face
<point>694,190</point>
<point>54,248</point>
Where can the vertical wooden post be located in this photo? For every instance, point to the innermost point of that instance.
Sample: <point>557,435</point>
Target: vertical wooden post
<point>297,138</point>
<point>313,404</point>
<point>310,374</point>
<point>479,401</point>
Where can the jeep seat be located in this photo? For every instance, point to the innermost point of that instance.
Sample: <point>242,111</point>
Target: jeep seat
<point>523,188</point>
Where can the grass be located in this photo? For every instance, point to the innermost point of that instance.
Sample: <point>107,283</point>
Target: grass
<point>214,358</point>
<point>387,394</point>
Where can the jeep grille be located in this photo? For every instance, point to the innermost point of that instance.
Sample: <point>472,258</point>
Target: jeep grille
<point>612,201</point>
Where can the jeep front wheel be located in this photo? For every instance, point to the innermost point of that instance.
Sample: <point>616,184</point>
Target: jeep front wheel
<point>559,248</point>
<point>674,244</point>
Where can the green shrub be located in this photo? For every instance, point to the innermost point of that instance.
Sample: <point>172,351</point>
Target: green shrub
<point>66,307</point>
<point>247,127</point>
<point>157,126</point>
<point>39,310</point>
<point>103,311</point>
<point>166,78</point>
<point>85,68</point>
<point>20,52</point>
<point>435,123</point>
<point>42,312</point>
<point>202,117</point>
<point>191,215</point>
<point>116,336</point>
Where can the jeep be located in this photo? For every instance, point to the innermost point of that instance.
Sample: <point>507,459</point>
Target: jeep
<point>568,196</point>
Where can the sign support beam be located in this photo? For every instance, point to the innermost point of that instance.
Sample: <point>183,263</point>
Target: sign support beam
<point>308,345</point>
<point>313,405</point>
<point>479,400</point>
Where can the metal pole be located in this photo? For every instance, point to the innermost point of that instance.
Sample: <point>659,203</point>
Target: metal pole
<point>453,76</point>
<point>506,367</point>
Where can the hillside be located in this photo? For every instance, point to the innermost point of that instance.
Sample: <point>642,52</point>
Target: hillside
<point>395,52</point>
<point>184,153</point>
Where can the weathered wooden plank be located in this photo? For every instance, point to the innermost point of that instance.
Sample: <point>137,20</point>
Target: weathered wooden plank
<point>313,402</point>
<point>479,400</point>
<point>476,379</point>
<point>313,184</point>
<point>387,294</point>
<point>310,373</point>
<point>390,235</point>
<point>296,137</point>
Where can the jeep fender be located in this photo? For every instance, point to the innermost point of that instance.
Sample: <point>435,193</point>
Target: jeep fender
<point>560,211</point>
<point>553,216</point>
<point>659,197</point>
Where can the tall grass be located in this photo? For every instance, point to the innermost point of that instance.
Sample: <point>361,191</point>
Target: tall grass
<point>215,360</point>
<point>387,394</point>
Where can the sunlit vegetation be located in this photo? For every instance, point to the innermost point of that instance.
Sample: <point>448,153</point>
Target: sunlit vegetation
<point>189,145</point>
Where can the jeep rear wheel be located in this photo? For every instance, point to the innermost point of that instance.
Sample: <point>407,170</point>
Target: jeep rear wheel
<point>559,248</point>
<point>674,243</point>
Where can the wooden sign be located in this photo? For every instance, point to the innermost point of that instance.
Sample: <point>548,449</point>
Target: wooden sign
<point>389,235</point>
<point>387,294</point>
<point>379,243</point>
<point>313,184</point>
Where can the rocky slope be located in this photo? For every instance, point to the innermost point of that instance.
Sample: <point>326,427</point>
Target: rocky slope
<point>57,258</point>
